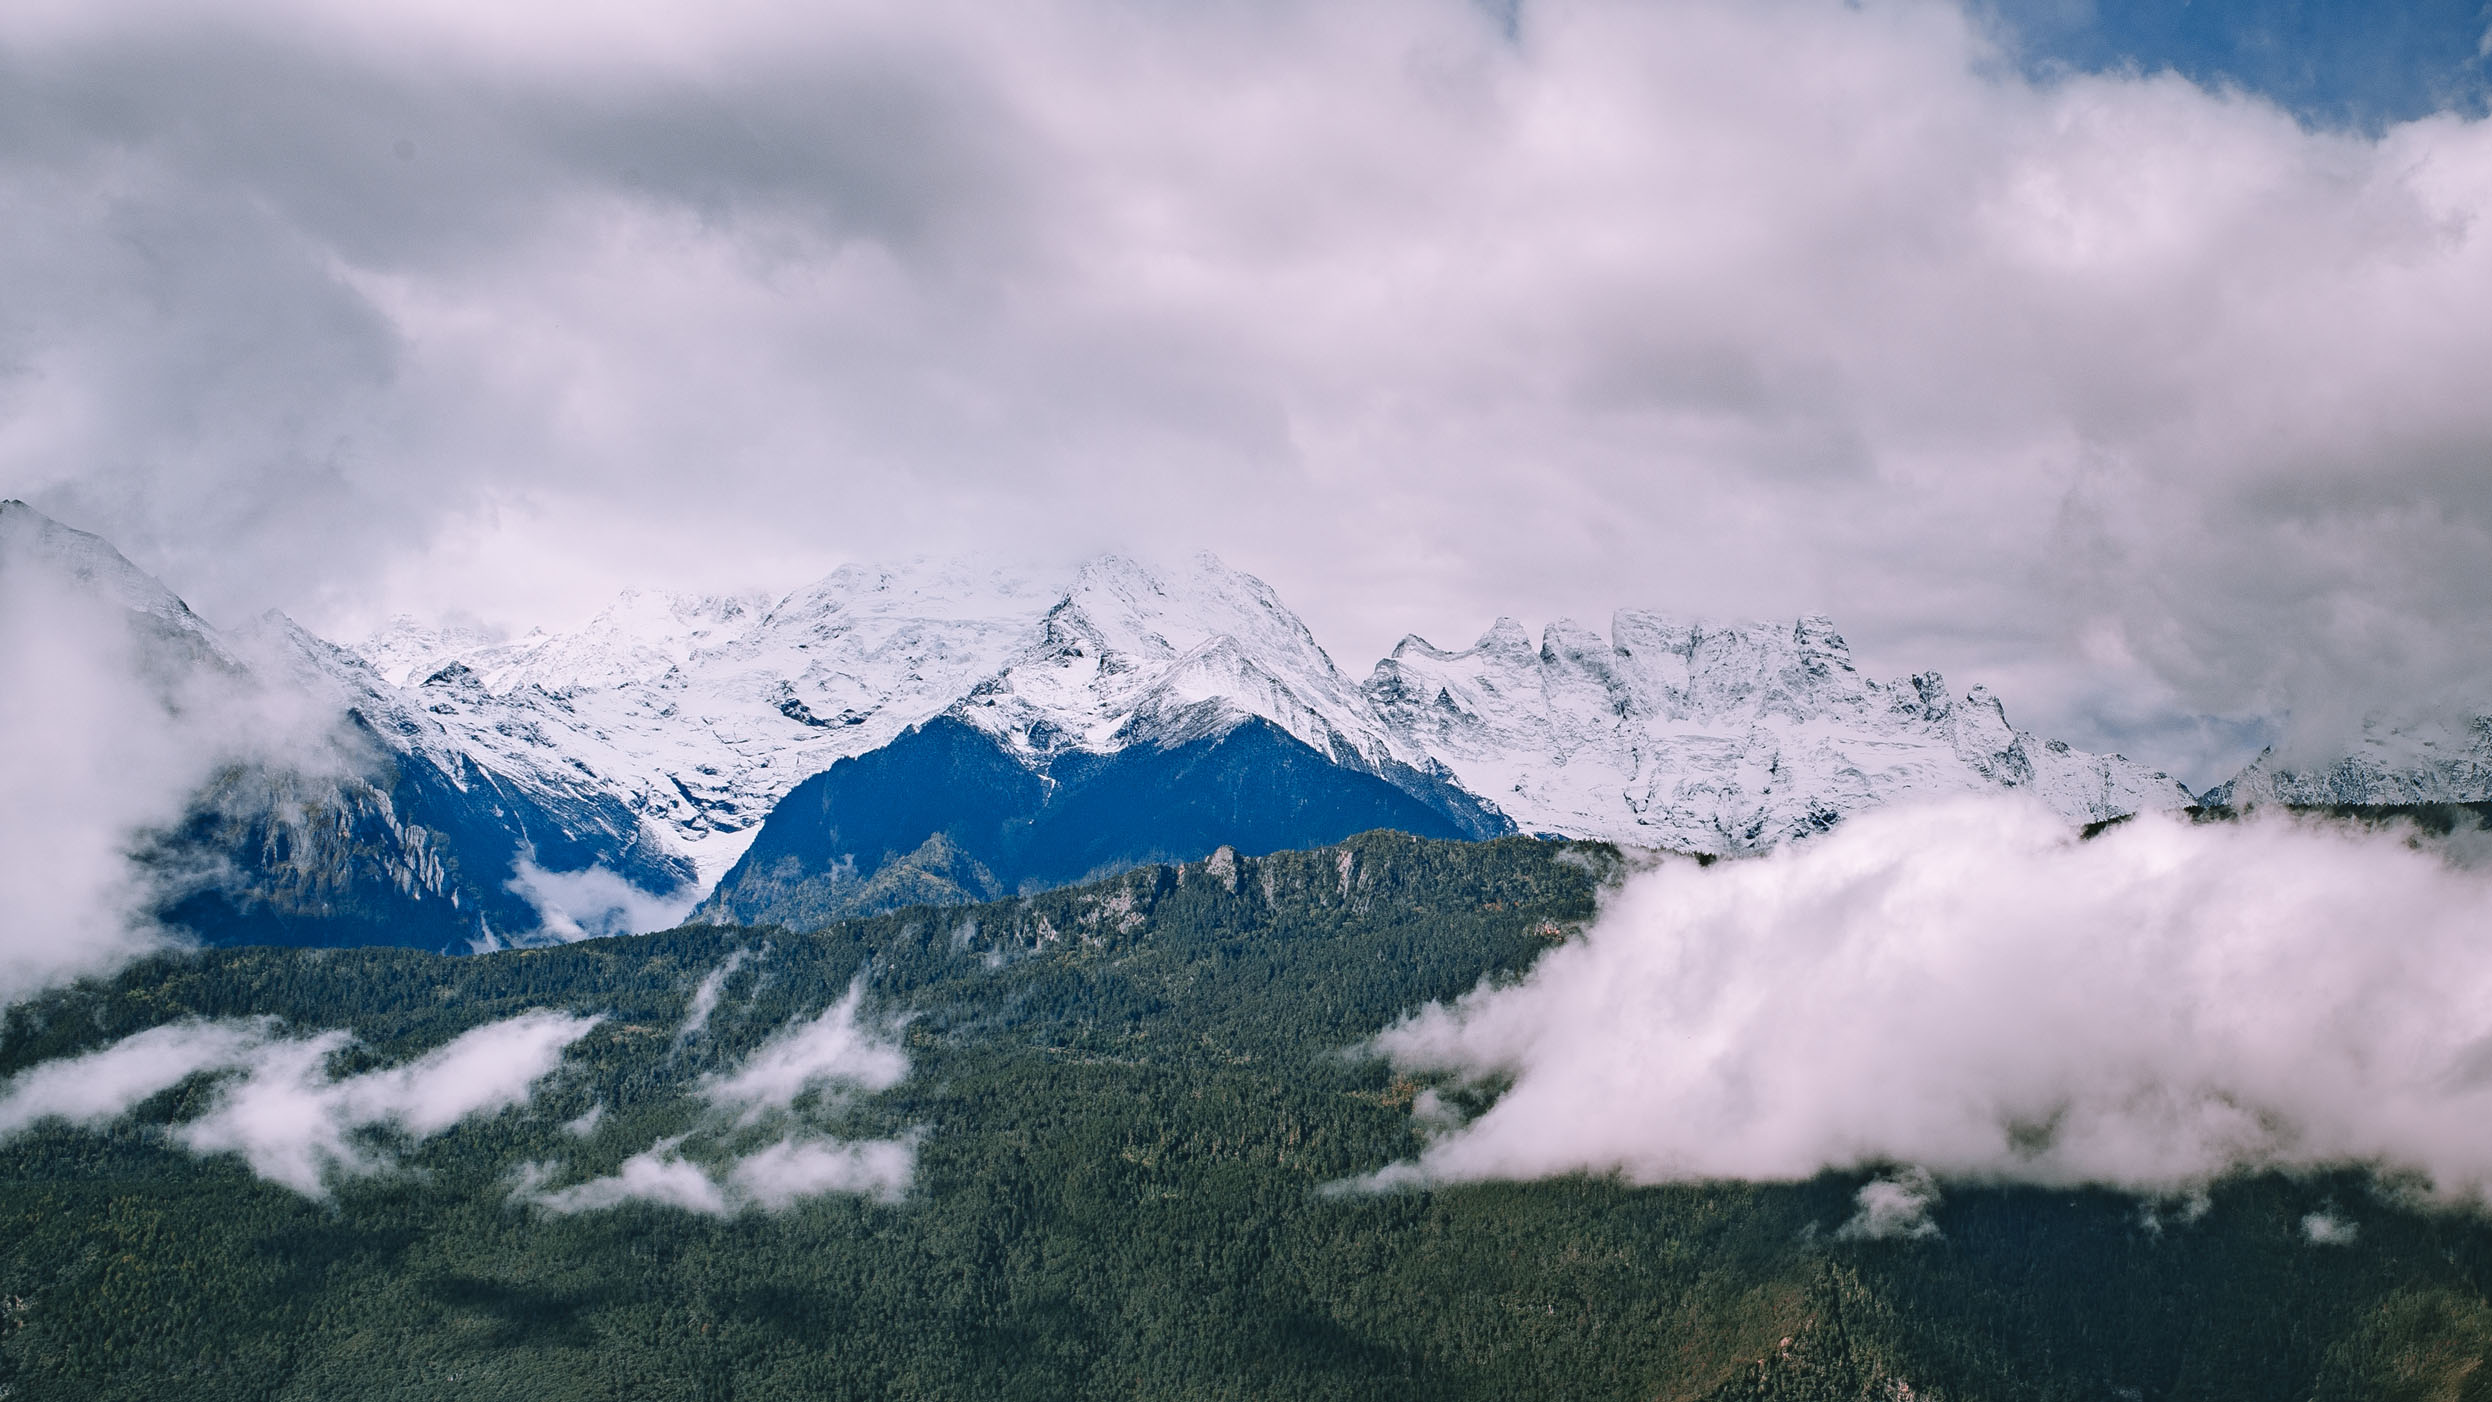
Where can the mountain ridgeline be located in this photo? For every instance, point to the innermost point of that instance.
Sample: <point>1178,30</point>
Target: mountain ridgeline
<point>937,732</point>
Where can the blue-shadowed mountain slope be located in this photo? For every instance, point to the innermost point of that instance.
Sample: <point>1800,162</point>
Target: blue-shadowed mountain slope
<point>946,813</point>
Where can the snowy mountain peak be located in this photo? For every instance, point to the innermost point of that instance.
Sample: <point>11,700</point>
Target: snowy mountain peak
<point>664,731</point>
<point>87,563</point>
<point>1131,655</point>
<point>2445,759</point>
<point>640,634</point>
<point>55,567</point>
<point>924,592</point>
<point>1713,738</point>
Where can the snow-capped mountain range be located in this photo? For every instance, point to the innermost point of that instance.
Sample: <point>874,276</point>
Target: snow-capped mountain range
<point>1719,740</point>
<point>654,743</point>
<point>700,714</point>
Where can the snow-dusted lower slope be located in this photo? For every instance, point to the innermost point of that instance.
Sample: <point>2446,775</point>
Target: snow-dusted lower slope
<point>2440,761</point>
<point>1718,739</point>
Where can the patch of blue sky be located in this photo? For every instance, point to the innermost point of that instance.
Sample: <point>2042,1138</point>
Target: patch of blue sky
<point>2332,63</point>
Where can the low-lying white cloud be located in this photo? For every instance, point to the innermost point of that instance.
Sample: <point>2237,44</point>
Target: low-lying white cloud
<point>294,1124</point>
<point>596,903</point>
<point>772,1179</point>
<point>832,1052</point>
<point>705,996</point>
<point>100,748</point>
<point>1891,1208</point>
<point>101,1086</point>
<point>1970,989</point>
<point>657,1174</point>
<point>828,1052</point>
<point>286,1116</point>
<point>797,1168</point>
<point>2328,1229</point>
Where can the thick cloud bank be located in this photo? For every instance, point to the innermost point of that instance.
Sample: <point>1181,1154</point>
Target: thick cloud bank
<point>98,747</point>
<point>118,708</point>
<point>1970,989</point>
<point>284,1113</point>
<point>2131,396</point>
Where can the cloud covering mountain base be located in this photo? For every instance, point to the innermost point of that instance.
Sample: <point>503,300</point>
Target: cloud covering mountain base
<point>1969,988</point>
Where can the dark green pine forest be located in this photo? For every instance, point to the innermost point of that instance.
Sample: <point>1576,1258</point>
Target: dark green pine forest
<point>1131,1097</point>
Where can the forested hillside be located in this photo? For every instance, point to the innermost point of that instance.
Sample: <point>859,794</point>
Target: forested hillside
<point>1132,1116</point>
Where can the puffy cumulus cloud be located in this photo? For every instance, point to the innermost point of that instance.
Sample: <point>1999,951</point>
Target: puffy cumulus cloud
<point>771,1179</point>
<point>285,1114</point>
<point>2136,399</point>
<point>1970,989</point>
<point>830,1052</point>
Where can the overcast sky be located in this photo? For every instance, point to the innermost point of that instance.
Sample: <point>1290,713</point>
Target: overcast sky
<point>2136,360</point>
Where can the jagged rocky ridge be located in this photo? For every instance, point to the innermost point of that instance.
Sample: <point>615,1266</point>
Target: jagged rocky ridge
<point>1719,740</point>
<point>2431,762</point>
